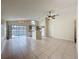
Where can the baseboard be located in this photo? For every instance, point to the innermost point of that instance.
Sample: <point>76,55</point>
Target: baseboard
<point>61,38</point>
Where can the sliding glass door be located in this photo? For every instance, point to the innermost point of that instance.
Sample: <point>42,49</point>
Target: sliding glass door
<point>19,31</point>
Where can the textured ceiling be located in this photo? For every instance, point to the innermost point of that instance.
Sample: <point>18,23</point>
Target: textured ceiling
<point>32,9</point>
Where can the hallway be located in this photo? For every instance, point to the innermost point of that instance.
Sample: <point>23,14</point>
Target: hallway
<point>47,48</point>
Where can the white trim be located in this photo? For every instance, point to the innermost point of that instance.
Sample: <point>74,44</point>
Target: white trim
<point>62,38</point>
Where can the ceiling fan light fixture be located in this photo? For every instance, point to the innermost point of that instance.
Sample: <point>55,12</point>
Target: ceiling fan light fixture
<point>51,15</point>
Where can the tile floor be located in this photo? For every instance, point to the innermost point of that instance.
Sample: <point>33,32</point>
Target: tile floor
<point>45,48</point>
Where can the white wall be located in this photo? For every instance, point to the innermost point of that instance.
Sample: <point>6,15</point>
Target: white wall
<point>42,22</point>
<point>63,27</point>
<point>3,34</point>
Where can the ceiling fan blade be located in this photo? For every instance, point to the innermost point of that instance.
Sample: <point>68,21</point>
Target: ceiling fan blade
<point>53,18</point>
<point>57,15</point>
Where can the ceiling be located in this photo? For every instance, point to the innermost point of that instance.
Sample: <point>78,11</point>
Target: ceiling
<point>32,9</point>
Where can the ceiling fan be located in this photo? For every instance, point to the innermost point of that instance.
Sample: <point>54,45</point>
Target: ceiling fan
<point>51,15</point>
